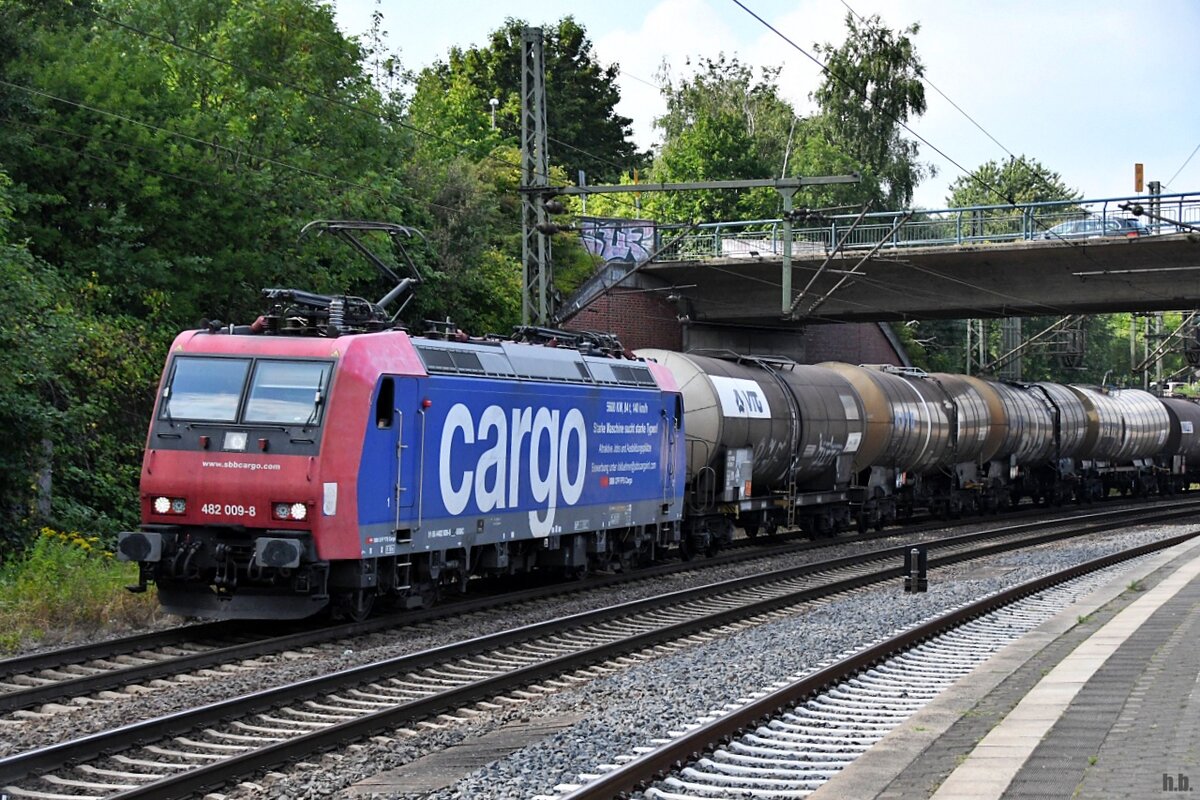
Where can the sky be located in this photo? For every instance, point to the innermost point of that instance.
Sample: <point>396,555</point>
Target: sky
<point>1087,89</point>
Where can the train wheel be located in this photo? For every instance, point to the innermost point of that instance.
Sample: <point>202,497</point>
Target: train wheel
<point>686,551</point>
<point>751,529</point>
<point>354,606</point>
<point>862,522</point>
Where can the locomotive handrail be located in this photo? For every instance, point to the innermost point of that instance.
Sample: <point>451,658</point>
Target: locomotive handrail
<point>399,463</point>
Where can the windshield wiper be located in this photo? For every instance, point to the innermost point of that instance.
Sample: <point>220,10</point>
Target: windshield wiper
<point>312,418</point>
<point>166,406</point>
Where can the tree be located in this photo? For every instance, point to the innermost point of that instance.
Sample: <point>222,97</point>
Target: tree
<point>163,157</point>
<point>454,112</point>
<point>194,136</point>
<point>1018,181</point>
<point>720,124</point>
<point>726,88</point>
<point>73,417</point>
<point>583,128</point>
<point>870,89</point>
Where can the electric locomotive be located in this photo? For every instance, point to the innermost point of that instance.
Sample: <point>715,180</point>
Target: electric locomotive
<point>322,458</point>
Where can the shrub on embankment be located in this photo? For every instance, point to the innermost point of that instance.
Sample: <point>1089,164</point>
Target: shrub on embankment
<point>68,586</point>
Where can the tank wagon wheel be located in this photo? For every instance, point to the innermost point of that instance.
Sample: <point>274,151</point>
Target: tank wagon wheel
<point>751,529</point>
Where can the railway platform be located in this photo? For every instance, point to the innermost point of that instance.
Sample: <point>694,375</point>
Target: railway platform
<point>1102,701</point>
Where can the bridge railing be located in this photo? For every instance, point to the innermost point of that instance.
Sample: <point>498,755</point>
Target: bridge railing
<point>951,226</point>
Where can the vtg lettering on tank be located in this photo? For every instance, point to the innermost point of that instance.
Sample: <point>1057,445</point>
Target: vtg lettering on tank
<point>497,458</point>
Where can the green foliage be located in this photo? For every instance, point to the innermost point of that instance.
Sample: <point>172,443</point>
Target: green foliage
<point>448,104</point>
<point>726,88</point>
<point>873,85</point>
<point>69,416</point>
<point>721,124</point>
<point>583,128</point>
<point>939,346</point>
<point>163,157</point>
<point>1015,182</point>
<point>67,582</point>
<point>178,120</point>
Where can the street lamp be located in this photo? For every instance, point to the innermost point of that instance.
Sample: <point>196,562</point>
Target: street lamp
<point>493,103</point>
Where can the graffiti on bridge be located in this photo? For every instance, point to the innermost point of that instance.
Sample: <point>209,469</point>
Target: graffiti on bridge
<point>624,240</point>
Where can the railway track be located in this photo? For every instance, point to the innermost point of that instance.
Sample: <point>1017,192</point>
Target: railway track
<point>60,676</point>
<point>190,751</point>
<point>790,740</point>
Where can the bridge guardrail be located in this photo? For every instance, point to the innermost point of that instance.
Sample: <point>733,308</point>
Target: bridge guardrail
<point>951,226</point>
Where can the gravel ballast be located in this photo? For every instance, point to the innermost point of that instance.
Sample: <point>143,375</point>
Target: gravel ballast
<point>629,708</point>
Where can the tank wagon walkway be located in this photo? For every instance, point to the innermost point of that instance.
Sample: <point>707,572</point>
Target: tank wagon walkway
<point>1102,701</point>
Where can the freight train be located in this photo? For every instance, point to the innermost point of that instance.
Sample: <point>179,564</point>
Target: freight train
<point>323,458</point>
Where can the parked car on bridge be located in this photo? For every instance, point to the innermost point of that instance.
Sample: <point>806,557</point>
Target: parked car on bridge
<point>1096,227</point>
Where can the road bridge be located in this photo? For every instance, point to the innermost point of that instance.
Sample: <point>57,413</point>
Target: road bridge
<point>982,262</point>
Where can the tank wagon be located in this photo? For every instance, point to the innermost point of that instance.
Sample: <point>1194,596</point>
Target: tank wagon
<point>772,443</point>
<point>769,443</point>
<point>1179,460</point>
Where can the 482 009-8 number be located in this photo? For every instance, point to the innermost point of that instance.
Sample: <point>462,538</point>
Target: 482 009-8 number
<point>227,510</point>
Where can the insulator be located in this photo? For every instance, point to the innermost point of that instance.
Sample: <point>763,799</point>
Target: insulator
<point>337,313</point>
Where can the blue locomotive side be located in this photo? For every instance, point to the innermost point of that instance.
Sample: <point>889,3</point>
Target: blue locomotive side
<point>469,461</point>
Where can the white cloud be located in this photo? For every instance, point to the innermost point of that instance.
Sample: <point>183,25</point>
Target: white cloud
<point>1086,87</point>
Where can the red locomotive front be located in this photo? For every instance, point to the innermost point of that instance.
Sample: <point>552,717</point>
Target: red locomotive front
<point>247,486</point>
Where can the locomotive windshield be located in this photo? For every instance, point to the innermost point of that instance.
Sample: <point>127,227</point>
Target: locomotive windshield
<point>205,389</point>
<point>280,392</point>
<point>287,392</point>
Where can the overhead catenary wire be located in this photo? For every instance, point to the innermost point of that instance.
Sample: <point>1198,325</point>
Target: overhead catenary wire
<point>930,84</point>
<point>1013,158</point>
<point>973,175</point>
<point>1186,161</point>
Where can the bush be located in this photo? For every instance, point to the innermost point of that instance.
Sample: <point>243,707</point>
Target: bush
<point>65,584</point>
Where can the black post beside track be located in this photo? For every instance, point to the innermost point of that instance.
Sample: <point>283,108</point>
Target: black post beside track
<point>673,756</point>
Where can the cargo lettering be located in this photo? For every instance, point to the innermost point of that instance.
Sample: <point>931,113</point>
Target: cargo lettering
<point>541,439</point>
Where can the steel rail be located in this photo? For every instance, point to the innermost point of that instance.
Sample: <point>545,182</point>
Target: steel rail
<point>79,655</point>
<point>87,684</point>
<point>129,736</point>
<point>638,772</point>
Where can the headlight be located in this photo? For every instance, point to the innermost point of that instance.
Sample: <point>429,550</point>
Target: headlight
<point>292,511</point>
<point>170,505</point>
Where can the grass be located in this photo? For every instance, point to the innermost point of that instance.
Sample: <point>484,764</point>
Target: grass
<point>66,585</point>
